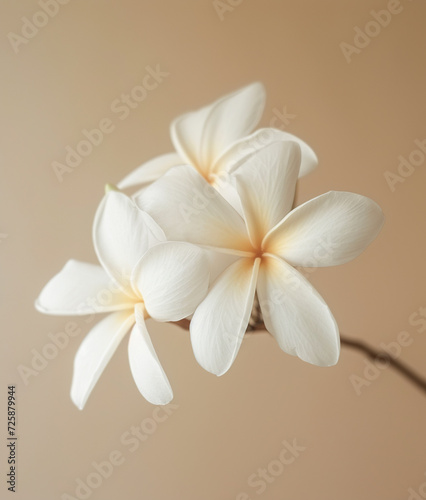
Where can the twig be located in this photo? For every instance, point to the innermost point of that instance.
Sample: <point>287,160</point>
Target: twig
<point>397,365</point>
<point>358,345</point>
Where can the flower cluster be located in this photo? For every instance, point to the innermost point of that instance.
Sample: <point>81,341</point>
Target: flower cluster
<point>209,232</point>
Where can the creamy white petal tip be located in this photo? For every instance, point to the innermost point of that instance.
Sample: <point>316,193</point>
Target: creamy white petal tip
<point>146,369</point>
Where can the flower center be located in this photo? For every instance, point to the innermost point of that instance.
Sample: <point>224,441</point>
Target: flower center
<point>258,253</point>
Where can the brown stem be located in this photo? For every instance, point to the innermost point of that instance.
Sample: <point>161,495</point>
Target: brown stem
<point>375,354</point>
<point>359,345</point>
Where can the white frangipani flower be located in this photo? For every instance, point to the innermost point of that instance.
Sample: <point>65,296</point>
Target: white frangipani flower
<point>141,276</point>
<point>215,138</point>
<point>268,240</point>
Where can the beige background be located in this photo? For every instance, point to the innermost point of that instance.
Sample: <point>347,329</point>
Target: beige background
<point>358,116</point>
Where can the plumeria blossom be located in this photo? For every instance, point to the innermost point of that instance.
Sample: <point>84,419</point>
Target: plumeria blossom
<point>141,276</point>
<point>215,139</point>
<point>267,242</point>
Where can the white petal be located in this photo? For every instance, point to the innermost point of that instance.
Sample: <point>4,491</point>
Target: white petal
<point>220,321</point>
<point>331,229</point>
<point>188,209</point>
<point>225,185</point>
<point>240,150</point>
<point>95,352</point>
<point>309,160</point>
<point>79,289</point>
<point>146,369</point>
<point>186,133</point>
<point>202,136</point>
<point>151,170</point>
<point>231,118</point>
<point>266,183</point>
<point>218,262</point>
<point>122,234</point>
<point>173,279</point>
<point>296,315</point>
